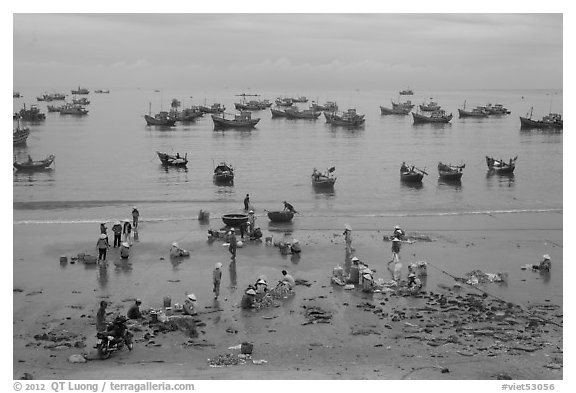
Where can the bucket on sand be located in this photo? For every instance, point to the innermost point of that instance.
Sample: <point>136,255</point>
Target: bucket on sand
<point>167,301</point>
<point>63,259</point>
<point>153,316</point>
<point>89,259</point>
<point>246,348</point>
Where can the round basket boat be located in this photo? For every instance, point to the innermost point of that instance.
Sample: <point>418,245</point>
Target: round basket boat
<point>234,219</point>
<point>280,216</point>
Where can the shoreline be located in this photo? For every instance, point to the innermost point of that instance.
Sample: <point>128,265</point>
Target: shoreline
<point>326,351</point>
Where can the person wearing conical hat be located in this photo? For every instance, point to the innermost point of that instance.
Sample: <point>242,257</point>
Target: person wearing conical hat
<point>117,229</point>
<point>190,305</point>
<point>395,249</point>
<point>135,216</point>
<point>216,279</point>
<point>127,231</point>
<point>399,232</point>
<point>247,301</point>
<point>348,238</point>
<point>124,250</point>
<point>102,245</point>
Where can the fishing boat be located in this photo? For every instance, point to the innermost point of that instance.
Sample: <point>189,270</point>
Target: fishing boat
<point>214,108</point>
<point>300,99</point>
<point>173,160</point>
<point>438,116</point>
<point>80,90</point>
<point>323,180</point>
<point>234,220</point>
<point>278,112</point>
<point>16,94</point>
<point>329,106</point>
<point>280,216</point>
<point>497,109</point>
<point>81,101</point>
<point>31,114</point>
<point>53,108</point>
<point>411,174</point>
<point>160,119</point>
<point>349,118</point>
<point>186,114</point>
<point>295,113</point>
<point>223,173</point>
<point>406,92</point>
<point>19,135</point>
<point>402,105</point>
<point>476,112</point>
<point>100,91</point>
<point>242,120</point>
<point>51,97</point>
<point>252,105</point>
<point>553,120</point>
<point>31,165</point>
<point>73,109</point>
<point>450,172</point>
<point>430,106</point>
<point>280,101</point>
<point>501,166</point>
<point>394,111</point>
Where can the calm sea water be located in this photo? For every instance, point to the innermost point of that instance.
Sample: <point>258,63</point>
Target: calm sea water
<point>106,161</point>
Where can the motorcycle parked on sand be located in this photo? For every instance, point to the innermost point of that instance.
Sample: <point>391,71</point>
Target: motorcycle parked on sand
<point>114,338</point>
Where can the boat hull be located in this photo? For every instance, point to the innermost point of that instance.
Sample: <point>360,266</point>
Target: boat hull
<point>412,177</point>
<point>450,176</point>
<point>278,113</point>
<point>463,113</point>
<point>529,123</point>
<point>226,123</point>
<point>152,121</point>
<point>20,136</point>
<point>35,165</point>
<point>169,160</point>
<point>394,111</point>
<point>501,170</point>
<point>280,216</point>
<point>420,119</point>
<point>234,219</point>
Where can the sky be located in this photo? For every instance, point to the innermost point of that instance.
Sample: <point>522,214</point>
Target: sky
<point>367,51</point>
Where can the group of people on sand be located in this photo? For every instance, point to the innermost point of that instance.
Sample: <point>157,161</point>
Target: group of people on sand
<point>258,290</point>
<point>124,233</point>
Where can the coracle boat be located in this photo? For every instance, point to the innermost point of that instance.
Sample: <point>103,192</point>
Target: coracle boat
<point>31,165</point>
<point>223,173</point>
<point>329,106</point>
<point>497,109</point>
<point>31,114</point>
<point>394,111</point>
<point>553,120</point>
<point>280,216</point>
<point>234,219</point>
<point>438,116</point>
<point>500,166</point>
<point>450,172</point>
<point>80,90</point>
<point>73,109</point>
<point>430,106</point>
<point>402,105</point>
<point>323,180</point>
<point>243,120</point>
<point>160,119</point>
<point>170,160</point>
<point>295,113</point>
<point>411,174</point>
<point>406,92</point>
<point>476,112</point>
<point>349,118</point>
<point>19,135</point>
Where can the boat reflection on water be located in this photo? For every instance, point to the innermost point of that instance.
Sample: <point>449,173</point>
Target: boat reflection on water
<point>411,185</point>
<point>452,184</point>
<point>501,179</point>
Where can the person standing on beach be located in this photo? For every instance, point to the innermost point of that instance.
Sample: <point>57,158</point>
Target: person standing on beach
<point>395,249</point>
<point>117,229</point>
<point>233,243</point>
<point>251,222</point>
<point>127,231</point>
<point>348,239</point>
<point>216,279</point>
<point>104,230</point>
<point>247,202</point>
<point>102,245</point>
<point>135,215</point>
<point>101,317</point>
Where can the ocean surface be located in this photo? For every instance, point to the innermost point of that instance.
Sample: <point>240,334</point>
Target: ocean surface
<point>106,162</point>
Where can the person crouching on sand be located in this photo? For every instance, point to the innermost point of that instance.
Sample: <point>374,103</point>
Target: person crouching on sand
<point>247,301</point>
<point>124,250</point>
<point>134,311</point>
<point>190,305</point>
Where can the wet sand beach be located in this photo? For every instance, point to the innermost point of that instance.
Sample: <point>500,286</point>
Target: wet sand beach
<point>369,336</point>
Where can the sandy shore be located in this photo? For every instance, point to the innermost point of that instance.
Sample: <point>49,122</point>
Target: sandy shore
<point>364,339</point>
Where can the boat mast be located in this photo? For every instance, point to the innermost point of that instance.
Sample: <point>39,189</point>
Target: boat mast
<point>150,108</point>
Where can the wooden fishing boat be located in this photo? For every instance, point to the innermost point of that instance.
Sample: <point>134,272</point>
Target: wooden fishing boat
<point>19,135</point>
<point>280,216</point>
<point>450,172</point>
<point>16,94</point>
<point>406,92</point>
<point>300,99</point>
<point>80,90</point>
<point>31,114</point>
<point>476,112</point>
<point>501,166</point>
<point>280,101</point>
<point>553,120</point>
<point>349,118</point>
<point>171,160</point>
<point>497,109</point>
<point>430,106</point>
<point>402,105</point>
<point>160,119</point>
<point>186,114</point>
<point>295,113</point>
<point>411,174</point>
<point>223,173</point>
<point>214,108</point>
<point>53,108</point>
<point>31,165</point>
<point>394,111</point>
<point>329,106</point>
<point>252,105</point>
<point>242,120</point>
<point>323,180</point>
<point>278,112</point>
<point>234,219</point>
<point>81,101</point>
<point>100,91</point>
<point>72,109</point>
<point>438,116</point>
